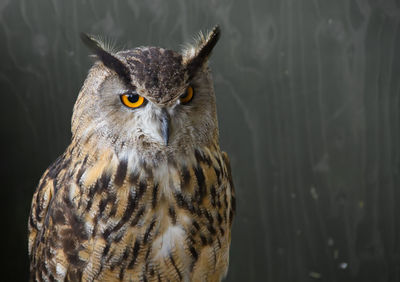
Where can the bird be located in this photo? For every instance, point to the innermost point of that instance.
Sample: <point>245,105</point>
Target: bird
<point>143,192</point>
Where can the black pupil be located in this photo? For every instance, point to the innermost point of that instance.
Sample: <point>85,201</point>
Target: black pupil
<point>133,98</point>
<point>184,95</point>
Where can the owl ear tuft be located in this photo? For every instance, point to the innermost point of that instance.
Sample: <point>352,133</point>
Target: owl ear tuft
<point>195,56</point>
<point>109,60</point>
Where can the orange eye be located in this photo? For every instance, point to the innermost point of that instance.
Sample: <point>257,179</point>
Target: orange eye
<point>187,96</point>
<point>132,100</point>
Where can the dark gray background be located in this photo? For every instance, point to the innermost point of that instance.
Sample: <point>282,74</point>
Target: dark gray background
<point>308,102</point>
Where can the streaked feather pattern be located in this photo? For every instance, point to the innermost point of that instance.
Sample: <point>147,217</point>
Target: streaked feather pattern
<point>132,223</point>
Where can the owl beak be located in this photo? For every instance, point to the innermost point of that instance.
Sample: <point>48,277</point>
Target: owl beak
<point>165,121</point>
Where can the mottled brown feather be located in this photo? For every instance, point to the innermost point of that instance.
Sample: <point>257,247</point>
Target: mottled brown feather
<point>64,222</point>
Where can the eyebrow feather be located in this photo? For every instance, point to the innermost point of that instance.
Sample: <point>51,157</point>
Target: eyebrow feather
<point>109,60</point>
<point>203,52</point>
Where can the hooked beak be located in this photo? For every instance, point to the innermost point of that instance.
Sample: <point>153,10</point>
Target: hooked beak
<point>165,120</point>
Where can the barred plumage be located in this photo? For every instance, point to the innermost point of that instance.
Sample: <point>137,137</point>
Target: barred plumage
<point>121,205</point>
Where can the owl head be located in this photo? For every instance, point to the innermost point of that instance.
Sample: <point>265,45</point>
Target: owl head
<point>148,100</point>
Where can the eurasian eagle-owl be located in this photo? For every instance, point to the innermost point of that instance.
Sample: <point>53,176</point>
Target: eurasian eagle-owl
<point>143,192</point>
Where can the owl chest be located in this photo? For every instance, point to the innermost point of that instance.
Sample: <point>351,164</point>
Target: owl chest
<point>143,219</point>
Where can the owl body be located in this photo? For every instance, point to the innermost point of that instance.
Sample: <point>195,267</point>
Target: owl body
<point>142,193</point>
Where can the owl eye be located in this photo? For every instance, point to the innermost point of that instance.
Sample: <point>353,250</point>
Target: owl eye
<point>132,100</point>
<point>187,96</point>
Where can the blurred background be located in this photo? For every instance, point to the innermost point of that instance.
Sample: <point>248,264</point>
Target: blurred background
<point>308,102</point>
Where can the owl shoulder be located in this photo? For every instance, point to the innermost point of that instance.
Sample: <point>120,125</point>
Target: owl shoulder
<point>227,162</point>
<point>42,199</point>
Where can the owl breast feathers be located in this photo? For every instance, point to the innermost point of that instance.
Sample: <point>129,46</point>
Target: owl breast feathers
<point>143,192</point>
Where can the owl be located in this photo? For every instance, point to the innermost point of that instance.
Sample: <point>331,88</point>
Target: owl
<point>143,192</point>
